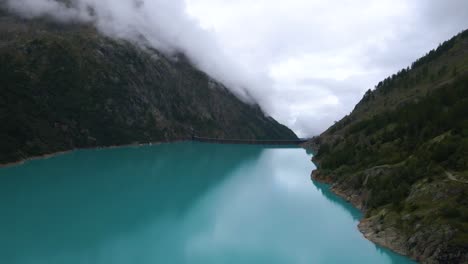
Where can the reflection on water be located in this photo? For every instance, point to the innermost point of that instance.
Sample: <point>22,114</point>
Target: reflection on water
<point>177,203</point>
<point>324,189</point>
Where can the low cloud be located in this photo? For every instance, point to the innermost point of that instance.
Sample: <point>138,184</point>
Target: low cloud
<point>161,24</point>
<point>323,55</point>
<point>307,63</point>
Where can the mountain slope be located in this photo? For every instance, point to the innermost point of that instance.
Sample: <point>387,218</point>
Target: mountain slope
<point>68,86</point>
<point>402,157</point>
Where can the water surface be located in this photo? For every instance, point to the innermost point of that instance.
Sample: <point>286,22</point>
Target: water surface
<point>177,203</point>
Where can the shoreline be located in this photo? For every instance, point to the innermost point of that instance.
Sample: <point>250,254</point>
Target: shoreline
<point>335,191</point>
<point>63,152</point>
<point>53,154</point>
<point>363,221</point>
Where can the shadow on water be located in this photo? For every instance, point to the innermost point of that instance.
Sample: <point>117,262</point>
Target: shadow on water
<point>309,152</point>
<point>86,197</point>
<point>324,189</point>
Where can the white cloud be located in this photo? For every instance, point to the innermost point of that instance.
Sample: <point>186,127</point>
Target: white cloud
<point>163,24</point>
<point>306,62</point>
<point>322,55</point>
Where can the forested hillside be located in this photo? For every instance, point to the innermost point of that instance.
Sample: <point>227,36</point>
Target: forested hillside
<point>66,86</point>
<point>402,156</point>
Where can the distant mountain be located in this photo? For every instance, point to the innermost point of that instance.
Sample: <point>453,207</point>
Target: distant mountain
<point>402,157</point>
<point>66,86</point>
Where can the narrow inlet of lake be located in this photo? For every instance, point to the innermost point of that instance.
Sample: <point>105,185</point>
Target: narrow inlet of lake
<point>177,203</point>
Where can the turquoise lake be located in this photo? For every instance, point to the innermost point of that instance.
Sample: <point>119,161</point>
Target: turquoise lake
<point>177,203</point>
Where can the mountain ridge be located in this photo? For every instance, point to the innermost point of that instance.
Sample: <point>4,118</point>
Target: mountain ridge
<point>67,86</point>
<point>393,154</point>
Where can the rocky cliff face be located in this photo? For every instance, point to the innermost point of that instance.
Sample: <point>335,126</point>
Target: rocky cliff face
<point>401,156</point>
<point>68,86</point>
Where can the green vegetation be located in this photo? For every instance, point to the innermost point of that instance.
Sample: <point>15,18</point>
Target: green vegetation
<point>404,150</point>
<point>67,86</point>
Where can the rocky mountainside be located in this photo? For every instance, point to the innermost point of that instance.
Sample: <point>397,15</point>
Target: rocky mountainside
<point>66,86</point>
<point>402,157</point>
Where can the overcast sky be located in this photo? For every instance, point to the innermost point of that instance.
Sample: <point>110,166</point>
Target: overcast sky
<point>322,55</point>
<point>306,62</point>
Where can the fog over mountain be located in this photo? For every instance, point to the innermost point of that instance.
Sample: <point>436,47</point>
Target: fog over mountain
<point>160,24</point>
<point>305,62</point>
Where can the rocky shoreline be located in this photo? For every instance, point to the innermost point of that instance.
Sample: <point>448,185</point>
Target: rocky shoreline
<point>366,225</point>
<point>427,245</point>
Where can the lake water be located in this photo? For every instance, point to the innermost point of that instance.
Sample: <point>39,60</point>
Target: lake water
<point>177,203</point>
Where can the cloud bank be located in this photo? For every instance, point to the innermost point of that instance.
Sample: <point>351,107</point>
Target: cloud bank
<point>306,62</point>
<point>162,24</point>
<point>323,55</point>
